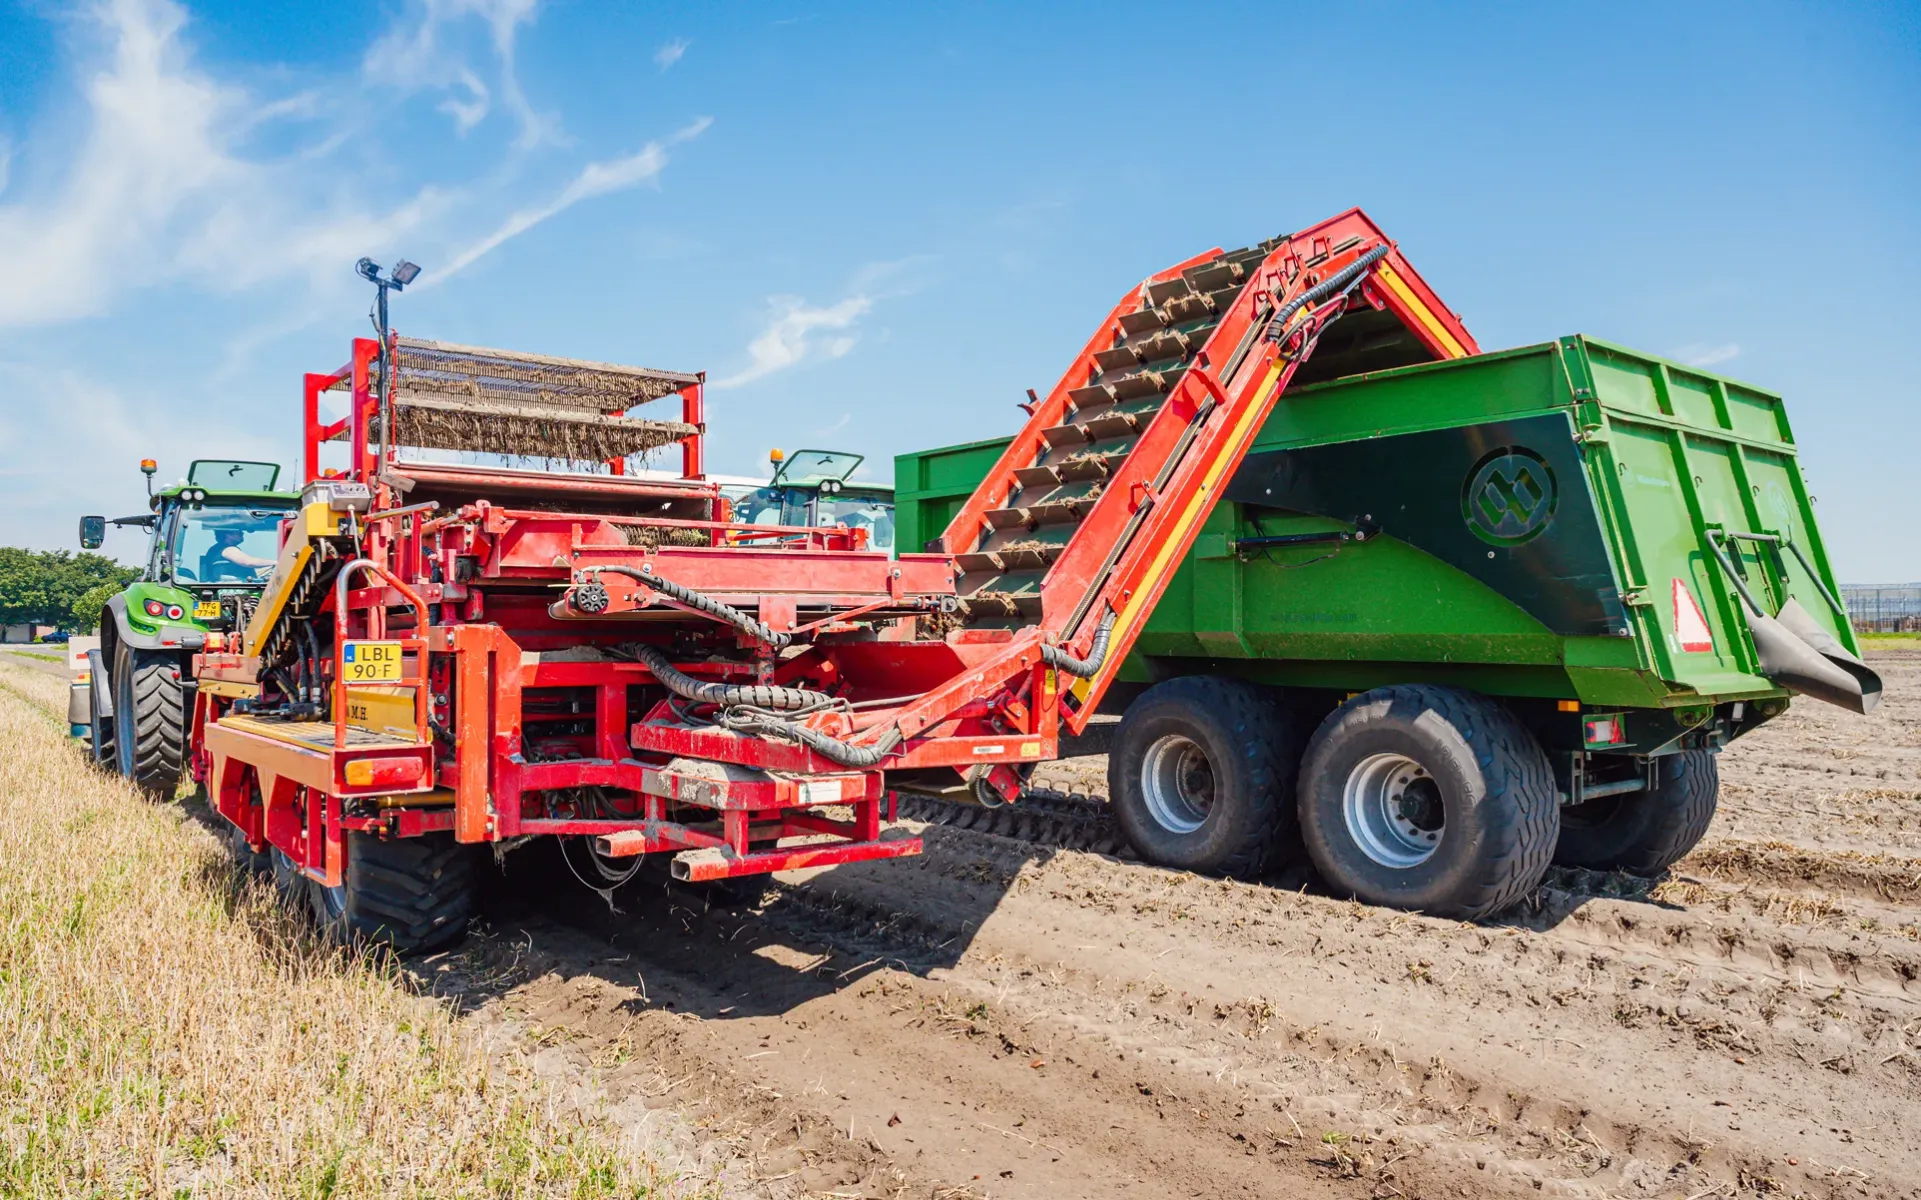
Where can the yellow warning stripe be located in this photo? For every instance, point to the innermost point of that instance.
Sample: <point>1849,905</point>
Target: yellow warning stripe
<point>1420,311</point>
<point>1197,509</point>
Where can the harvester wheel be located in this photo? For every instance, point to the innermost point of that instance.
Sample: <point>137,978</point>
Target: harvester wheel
<point>1644,833</point>
<point>1428,798</point>
<point>1201,775</point>
<point>150,719</point>
<point>413,894</point>
<point>258,864</point>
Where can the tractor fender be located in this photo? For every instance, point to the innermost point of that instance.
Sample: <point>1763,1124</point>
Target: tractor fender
<point>168,638</point>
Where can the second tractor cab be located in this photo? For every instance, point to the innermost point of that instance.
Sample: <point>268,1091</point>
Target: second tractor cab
<point>812,488</point>
<point>212,541</point>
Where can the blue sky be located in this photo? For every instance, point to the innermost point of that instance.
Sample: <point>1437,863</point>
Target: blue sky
<point>876,225</point>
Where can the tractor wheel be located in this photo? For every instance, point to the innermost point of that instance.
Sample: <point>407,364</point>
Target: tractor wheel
<point>150,719</point>
<point>413,894</point>
<point>1428,798</point>
<point>1201,776</point>
<point>100,732</point>
<point>1644,833</point>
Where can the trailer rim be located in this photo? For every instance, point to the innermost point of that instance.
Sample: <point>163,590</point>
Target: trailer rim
<point>1394,810</point>
<point>1178,783</point>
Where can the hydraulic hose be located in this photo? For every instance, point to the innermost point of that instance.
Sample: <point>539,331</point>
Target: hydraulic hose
<point>727,695</point>
<point>830,748</point>
<point>1084,668</point>
<point>702,603</point>
<point>1326,287</point>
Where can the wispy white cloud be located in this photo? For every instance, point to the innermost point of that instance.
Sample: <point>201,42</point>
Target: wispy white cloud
<point>794,335</point>
<point>595,179</point>
<point>1696,354</point>
<point>670,53</point>
<point>425,52</point>
<point>159,187</point>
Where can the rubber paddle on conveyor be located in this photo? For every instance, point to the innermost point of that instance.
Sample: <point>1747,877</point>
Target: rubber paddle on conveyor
<point>1094,504</point>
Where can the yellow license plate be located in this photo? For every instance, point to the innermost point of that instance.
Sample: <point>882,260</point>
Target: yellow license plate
<point>207,610</point>
<point>371,662</point>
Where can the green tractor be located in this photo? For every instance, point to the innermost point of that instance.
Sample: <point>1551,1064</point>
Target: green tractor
<point>213,541</point>
<point>813,488</point>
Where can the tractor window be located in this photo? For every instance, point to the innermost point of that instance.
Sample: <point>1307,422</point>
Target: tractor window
<point>233,476</point>
<point>225,544</point>
<point>766,506</point>
<point>871,513</point>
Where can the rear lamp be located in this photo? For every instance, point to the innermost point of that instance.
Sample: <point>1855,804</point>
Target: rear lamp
<point>155,608</point>
<point>175,612</point>
<point>1604,731</point>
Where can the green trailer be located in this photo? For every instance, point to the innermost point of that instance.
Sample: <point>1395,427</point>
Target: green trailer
<point>1607,562</point>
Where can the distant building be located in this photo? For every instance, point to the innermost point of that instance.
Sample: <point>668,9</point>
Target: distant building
<point>1883,607</point>
<point>23,633</point>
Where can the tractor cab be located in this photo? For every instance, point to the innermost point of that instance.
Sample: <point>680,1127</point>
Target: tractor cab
<point>813,488</point>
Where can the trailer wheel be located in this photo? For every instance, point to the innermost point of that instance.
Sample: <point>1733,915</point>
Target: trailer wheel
<point>1428,798</point>
<point>1644,833</point>
<point>413,894</point>
<point>1201,775</point>
<point>150,716</point>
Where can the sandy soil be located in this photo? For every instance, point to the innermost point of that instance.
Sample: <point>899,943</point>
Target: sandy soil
<point>1024,1013</point>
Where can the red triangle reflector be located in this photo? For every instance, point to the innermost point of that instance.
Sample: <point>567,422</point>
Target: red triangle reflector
<point>1690,627</point>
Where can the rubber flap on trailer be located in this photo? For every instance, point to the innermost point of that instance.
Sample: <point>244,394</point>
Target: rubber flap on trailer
<point>1798,654</point>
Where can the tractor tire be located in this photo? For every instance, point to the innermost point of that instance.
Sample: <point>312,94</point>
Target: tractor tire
<point>1201,776</point>
<point>1434,799</point>
<point>414,895</point>
<point>1644,833</point>
<point>150,719</point>
<point>100,731</point>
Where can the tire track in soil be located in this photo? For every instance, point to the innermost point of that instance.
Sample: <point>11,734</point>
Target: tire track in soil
<point>1023,1000</point>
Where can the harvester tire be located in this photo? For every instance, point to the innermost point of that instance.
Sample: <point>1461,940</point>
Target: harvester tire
<point>1434,799</point>
<point>1201,776</point>
<point>257,864</point>
<point>150,718</point>
<point>1644,833</point>
<point>412,894</point>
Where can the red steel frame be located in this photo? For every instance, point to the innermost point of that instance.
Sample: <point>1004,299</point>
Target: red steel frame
<point>484,598</point>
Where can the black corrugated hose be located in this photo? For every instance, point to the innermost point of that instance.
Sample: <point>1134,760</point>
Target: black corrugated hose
<point>727,695</point>
<point>1084,668</point>
<point>756,709</point>
<point>703,603</point>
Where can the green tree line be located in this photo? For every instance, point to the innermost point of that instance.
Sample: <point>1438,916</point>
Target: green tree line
<point>57,587</point>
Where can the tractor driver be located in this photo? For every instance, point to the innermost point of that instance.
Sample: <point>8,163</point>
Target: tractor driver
<point>226,560</point>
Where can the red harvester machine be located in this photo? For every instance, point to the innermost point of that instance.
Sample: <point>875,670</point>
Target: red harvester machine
<point>451,655</point>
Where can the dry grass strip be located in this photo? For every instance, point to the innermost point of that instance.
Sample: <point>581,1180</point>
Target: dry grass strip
<point>167,1030</point>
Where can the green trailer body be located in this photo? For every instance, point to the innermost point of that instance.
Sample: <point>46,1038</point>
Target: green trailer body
<point>1569,521</point>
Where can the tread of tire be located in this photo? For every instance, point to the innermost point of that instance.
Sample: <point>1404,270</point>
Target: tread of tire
<point>159,721</point>
<point>1501,744</point>
<point>414,894</point>
<point>1245,705</point>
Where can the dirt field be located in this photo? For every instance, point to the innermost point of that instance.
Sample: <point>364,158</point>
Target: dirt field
<point>1023,1012</point>
<point>1031,1016</point>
